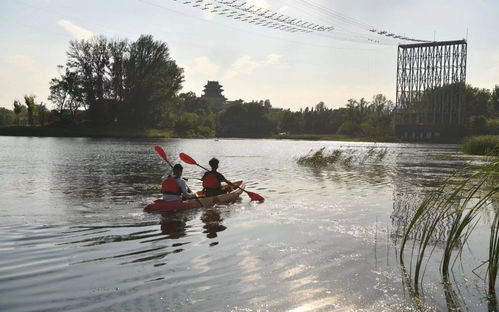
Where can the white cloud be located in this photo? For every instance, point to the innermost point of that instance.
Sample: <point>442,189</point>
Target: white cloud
<point>243,65</point>
<point>273,58</point>
<point>205,66</point>
<point>75,30</point>
<point>246,65</point>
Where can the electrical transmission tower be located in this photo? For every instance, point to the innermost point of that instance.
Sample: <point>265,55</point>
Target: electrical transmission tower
<point>431,80</point>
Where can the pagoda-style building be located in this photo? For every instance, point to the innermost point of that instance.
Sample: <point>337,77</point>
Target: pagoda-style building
<point>212,93</point>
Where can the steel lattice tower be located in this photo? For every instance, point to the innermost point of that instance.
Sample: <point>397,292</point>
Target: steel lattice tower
<point>431,79</point>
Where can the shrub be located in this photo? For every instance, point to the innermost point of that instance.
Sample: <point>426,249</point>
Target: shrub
<point>482,145</point>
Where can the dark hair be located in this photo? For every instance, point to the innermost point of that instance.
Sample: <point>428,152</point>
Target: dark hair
<point>178,167</point>
<point>213,163</point>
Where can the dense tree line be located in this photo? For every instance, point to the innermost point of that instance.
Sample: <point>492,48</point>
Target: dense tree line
<point>137,84</point>
<point>481,110</point>
<point>116,81</point>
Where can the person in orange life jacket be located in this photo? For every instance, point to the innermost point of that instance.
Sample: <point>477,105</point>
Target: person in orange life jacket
<point>212,180</point>
<point>174,187</point>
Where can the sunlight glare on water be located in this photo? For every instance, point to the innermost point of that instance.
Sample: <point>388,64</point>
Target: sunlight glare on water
<point>74,237</point>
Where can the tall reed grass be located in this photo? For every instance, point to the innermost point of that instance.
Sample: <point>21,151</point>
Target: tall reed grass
<point>482,145</point>
<point>347,157</point>
<point>458,204</point>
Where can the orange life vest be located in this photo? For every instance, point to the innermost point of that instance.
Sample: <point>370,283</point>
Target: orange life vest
<point>210,181</point>
<point>170,186</point>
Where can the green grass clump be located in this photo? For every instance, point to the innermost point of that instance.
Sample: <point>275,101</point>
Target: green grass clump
<point>482,145</point>
<point>324,158</point>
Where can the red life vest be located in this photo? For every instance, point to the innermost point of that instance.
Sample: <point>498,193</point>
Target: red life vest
<point>170,186</point>
<point>210,181</point>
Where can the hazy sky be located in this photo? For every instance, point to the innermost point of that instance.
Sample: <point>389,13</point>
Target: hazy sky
<point>251,62</point>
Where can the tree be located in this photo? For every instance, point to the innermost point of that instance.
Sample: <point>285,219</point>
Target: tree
<point>30,104</point>
<point>153,80</point>
<point>18,108</point>
<point>89,60</point>
<point>291,122</point>
<point>134,83</point>
<point>249,120</point>
<point>476,101</point>
<point>67,94</point>
<point>7,117</point>
<point>494,101</point>
<point>41,114</point>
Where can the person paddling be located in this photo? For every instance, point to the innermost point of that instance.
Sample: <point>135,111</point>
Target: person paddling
<point>212,180</point>
<point>174,187</point>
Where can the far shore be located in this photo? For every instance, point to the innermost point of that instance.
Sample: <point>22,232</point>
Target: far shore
<point>123,132</point>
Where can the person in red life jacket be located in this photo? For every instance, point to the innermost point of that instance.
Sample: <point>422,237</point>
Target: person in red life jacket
<point>174,187</point>
<point>212,180</point>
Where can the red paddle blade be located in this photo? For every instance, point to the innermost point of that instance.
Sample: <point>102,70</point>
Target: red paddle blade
<point>160,152</point>
<point>187,159</point>
<point>255,196</point>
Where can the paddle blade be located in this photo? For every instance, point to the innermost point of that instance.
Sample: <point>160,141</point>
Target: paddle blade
<point>187,159</point>
<point>160,152</point>
<point>255,196</point>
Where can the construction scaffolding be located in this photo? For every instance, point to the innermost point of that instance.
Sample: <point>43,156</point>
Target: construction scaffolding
<point>431,79</point>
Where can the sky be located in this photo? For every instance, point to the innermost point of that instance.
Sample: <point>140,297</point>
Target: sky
<point>252,62</point>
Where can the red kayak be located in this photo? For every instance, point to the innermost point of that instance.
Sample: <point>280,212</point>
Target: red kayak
<point>160,205</point>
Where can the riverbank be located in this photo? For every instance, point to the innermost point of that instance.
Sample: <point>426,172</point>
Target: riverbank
<point>121,132</point>
<point>334,137</point>
<point>86,131</point>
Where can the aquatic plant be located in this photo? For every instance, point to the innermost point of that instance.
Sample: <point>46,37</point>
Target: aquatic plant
<point>456,204</point>
<point>346,157</point>
<point>482,145</point>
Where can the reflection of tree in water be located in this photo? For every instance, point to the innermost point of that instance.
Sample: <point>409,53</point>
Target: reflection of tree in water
<point>112,170</point>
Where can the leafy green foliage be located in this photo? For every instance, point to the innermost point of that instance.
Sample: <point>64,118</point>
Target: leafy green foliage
<point>250,120</point>
<point>116,81</point>
<point>7,117</point>
<point>31,106</point>
<point>482,145</point>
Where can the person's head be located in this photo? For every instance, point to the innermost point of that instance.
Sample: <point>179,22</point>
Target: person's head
<point>213,163</point>
<point>177,170</point>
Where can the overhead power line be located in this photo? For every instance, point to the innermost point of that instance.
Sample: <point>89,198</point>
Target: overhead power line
<point>245,12</point>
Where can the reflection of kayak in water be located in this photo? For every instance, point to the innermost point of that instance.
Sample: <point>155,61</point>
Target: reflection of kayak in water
<point>160,205</point>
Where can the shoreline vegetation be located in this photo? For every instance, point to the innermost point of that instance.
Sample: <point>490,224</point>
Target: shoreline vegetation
<point>133,89</point>
<point>124,132</point>
<point>487,145</point>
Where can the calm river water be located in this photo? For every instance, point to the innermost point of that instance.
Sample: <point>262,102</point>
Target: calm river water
<point>73,235</point>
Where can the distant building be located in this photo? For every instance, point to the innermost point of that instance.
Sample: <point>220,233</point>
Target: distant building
<point>212,93</point>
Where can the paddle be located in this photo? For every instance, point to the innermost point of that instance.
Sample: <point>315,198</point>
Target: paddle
<point>161,152</point>
<point>189,160</point>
